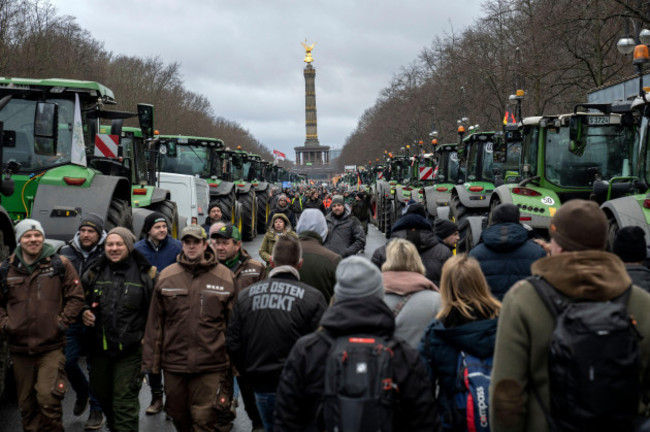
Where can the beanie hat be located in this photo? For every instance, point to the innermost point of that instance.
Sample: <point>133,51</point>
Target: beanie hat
<point>127,236</point>
<point>444,228</point>
<point>579,225</point>
<point>357,277</point>
<point>417,209</point>
<point>338,199</point>
<point>505,213</point>
<point>312,219</point>
<point>28,225</point>
<point>630,244</point>
<point>94,221</point>
<point>214,204</point>
<point>153,219</point>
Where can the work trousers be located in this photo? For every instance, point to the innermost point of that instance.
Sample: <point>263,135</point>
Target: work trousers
<point>74,341</point>
<point>41,385</point>
<point>200,401</point>
<point>116,382</point>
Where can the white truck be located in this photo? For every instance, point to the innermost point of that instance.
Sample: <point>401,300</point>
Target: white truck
<point>190,193</point>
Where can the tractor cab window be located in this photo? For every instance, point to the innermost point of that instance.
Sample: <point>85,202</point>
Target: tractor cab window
<point>189,159</point>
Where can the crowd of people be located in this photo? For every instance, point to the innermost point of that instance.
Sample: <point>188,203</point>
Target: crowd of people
<point>316,337</point>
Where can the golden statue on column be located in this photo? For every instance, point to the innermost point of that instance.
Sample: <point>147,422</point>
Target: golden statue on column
<point>308,48</point>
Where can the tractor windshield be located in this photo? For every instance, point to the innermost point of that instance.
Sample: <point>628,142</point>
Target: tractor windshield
<point>19,116</point>
<point>604,152</point>
<point>189,159</point>
<point>133,149</point>
<point>448,168</point>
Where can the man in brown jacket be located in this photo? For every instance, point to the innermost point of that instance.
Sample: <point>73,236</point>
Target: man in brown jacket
<point>185,336</point>
<point>39,299</point>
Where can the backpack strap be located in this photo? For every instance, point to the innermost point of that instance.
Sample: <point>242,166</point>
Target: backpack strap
<point>400,304</point>
<point>555,301</point>
<point>58,266</point>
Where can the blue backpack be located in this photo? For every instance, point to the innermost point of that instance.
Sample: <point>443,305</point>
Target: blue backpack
<point>471,410</point>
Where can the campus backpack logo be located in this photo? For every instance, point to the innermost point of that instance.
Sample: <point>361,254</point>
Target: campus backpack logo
<point>473,382</point>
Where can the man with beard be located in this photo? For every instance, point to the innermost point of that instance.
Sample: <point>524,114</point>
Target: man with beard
<point>344,232</point>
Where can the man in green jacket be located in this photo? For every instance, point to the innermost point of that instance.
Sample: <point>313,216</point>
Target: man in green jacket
<point>579,268</point>
<point>40,297</point>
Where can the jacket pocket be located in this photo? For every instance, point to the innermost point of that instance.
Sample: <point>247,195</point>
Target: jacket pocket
<point>60,384</point>
<point>176,302</point>
<point>133,296</point>
<point>212,305</point>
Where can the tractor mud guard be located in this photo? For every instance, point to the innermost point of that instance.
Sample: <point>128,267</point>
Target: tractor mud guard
<point>627,212</point>
<point>442,213</point>
<point>475,228</point>
<point>224,188</point>
<point>60,208</point>
<point>240,190</point>
<point>158,195</point>
<point>262,187</point>
<point>465,200</point>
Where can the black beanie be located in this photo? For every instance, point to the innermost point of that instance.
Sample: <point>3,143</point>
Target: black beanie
<point>504,213</point>
<point>417,209</point>
<point>214,204</point>
<point>153,219</point>
<point>630,244</point>
<point>444,228</point>
<point>94,221</point>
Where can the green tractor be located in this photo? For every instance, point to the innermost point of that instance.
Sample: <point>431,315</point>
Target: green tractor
<point>445,178</point>
<point>239,165</point>
<point>257,176</point>
<point>480,170</point>
<point>51,127</point>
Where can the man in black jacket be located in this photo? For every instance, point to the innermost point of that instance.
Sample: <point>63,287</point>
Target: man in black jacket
<point>345,234</point>
<point>268,317</point>
<point>359,308</point>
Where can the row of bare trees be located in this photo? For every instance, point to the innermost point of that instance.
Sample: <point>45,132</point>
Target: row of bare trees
<point>555,50</point>
<point>35,42</point>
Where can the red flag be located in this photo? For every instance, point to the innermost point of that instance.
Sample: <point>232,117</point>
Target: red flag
<point>279,155</point>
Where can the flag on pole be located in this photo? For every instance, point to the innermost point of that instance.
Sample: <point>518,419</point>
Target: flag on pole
<point>278,155</point>
<point>78,151</point>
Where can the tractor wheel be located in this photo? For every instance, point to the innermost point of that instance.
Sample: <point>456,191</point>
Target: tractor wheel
<point>379,213</point>
<point>249,210</point>
<point>612,229</point>
<point>263,211</point>
<point>170,211</point>
<point>458,215</point>
<point>493,205</point>
<point>389,216</point>
<point>119,214</point>
<point>238,219</point>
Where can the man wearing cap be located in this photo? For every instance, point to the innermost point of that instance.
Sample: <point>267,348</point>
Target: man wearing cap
<point>118,290</point>
<point>319,263</point>
<point>447,232</point>
<point>579,268</point>
<point>185,336</point>
<point>284,208</point>
<point>83,250</point>
<point>344,232</point>
<point>414,227</point>
<point>358,308</point>
<point>630,246</point>
<point>40,297</point>
<point>161,250</point>
<point>267,319</point>
<point>505,253</point>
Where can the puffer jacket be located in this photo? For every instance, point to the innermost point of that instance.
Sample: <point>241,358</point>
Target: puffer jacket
<point>272,235</point>
<point>39,305</point>
<point>417,230</point>
<point>81,259</point>
<point>300,391</point>
<point>119,294</point>
<point>190,308</point>
<point>505,256</point>
<point>345,234</point>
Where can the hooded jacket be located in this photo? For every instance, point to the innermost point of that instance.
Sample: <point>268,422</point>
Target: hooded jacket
<point>119,295</point>
<point>188,317</point>
<point>81,259</point>
<point>39,306</point>
<point>300,391</point>
<point>286,210</point>
<point>162,255</point>
<point>505,256</point>
<point>267,319</point>
<point>526,325</point>
<point>318,263</point>
<point>271,236</point>
<point>417,230</point>
<point>345,234</point>
<point>639,274</point>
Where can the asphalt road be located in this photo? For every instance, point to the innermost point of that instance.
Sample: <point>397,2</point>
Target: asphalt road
<point>10,416</point>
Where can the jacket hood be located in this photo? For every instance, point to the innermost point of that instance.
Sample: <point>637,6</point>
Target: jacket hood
<point>47,251</point>
<point>411,221</point>
<point>504,237</point>
<point>287,223</point>
<point>368,315</point>
<point>312,220</point>
<point>592,275</point>
<point>476,337</point>
<point>423,239</point>
<point>310,235</point>
<point>77,245</point>
<point>207,261</point>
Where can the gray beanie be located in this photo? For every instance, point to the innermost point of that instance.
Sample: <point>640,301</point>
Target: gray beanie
<point>127,236</point>
<point>28,225</point>
<point>357,277</point>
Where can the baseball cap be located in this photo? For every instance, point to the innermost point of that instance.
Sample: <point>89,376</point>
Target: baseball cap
<point>228,231</point>
<point>195,231</point>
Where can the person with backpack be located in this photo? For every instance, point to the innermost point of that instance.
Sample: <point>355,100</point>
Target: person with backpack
<point>412,297</point>
<point>356,336</point>
<point>458,345</point>
<point>573,341</point>
<point>630,246</point>
<point>40,298</point>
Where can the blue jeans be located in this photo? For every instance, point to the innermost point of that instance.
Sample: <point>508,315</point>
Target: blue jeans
<point>265,405</point>
<point>73,349</point>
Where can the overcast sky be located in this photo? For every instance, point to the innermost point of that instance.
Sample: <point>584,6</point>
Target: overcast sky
<point>245,55</point>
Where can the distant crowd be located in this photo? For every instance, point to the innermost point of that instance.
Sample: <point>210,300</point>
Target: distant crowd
<point>519,334</point>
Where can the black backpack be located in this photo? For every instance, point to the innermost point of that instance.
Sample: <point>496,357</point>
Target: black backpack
<point>594,363</point>
<point>360,394</point>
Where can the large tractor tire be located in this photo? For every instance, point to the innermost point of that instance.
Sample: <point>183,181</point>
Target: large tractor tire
<point>228,207</point>
<point>389,216</point>
<point>263,211</point>
<point>612,229</point>
<point>237,219</point>
<point>119,214</point>
<point>458,214</point>
<point>170,211</point>
<point>248,212</point>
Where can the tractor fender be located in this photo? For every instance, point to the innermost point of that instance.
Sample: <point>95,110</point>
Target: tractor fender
<point>475,227</point>
<point>244,189</point>
<point>261,187</point>
<point>399,195</point>
<point>224,188</point>
<point>503,193</point>
<point>442,213</point>
<point>627,212</point>
<point>60,208</point>
<point>159,195</point>
<point>465,200</point>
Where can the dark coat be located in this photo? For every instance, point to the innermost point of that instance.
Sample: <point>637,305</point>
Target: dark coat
<point>300,391</point>
<point>639,274</point>
<point>318,264</point>
<point>161,256</point>
<point>80,260</point>
<point>317,204</point>
<point>286,210</point>
<point>505,255</point>
<point>345,235</point>
<point>417,230</point>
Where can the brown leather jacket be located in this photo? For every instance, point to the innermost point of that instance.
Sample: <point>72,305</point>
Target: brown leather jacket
<point>188,316</point>
<point>40,305</point>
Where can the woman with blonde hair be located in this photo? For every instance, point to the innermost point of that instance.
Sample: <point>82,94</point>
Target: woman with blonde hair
<point>466,324</point>
<point>412,297</point>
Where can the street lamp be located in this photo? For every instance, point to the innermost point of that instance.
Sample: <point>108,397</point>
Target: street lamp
<point>639,47</point>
